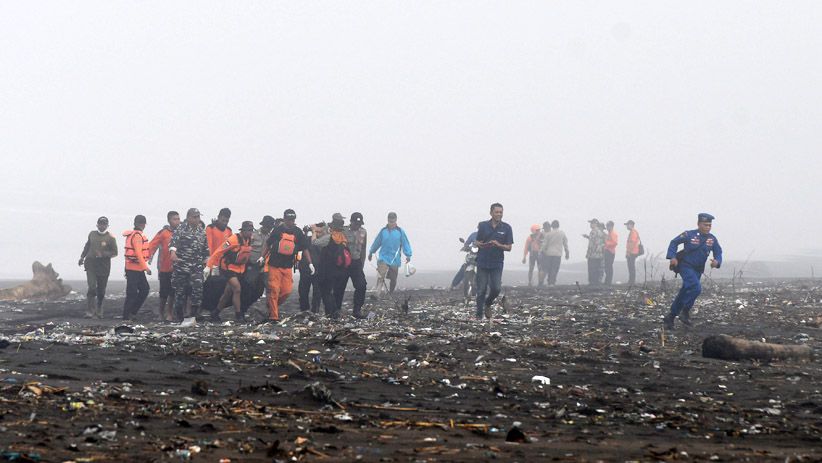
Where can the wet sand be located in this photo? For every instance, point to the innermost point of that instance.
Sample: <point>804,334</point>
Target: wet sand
<point>428,385</point>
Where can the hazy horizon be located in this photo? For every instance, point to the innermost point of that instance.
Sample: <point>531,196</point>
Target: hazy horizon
<point>651,111</point>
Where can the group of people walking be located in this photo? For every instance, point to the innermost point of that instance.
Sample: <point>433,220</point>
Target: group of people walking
<point>545,247</point>
<point>208,268</point>
<point>203,269</point>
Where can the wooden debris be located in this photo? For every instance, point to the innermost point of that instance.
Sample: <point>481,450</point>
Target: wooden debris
<point>725,347</point>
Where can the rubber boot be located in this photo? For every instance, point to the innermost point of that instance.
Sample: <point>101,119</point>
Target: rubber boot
<point>685,316</point>
<point>89,307</point>
<point>669,321</point>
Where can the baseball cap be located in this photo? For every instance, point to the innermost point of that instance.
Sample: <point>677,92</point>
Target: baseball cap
<point>357,218</point>
<point>289,214</point>
<point>268,221</point>
<point>192,212</point>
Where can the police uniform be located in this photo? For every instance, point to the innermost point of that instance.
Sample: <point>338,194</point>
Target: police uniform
<point>691,264</point>
<point>192,251</point>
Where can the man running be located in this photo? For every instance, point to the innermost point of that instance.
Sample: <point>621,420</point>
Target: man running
<point>494,238</point>
<point>690,264</point>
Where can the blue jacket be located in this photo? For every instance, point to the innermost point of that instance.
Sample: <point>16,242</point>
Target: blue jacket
<point>389,243</point>
<point>696,249</point>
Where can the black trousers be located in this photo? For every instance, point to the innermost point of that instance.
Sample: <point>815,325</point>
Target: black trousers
<point>97,273</point>
<point>609,267</point>
<point>333,290</point>
<point>357,276</point>
<point>252,286</point>
<point>166,289</point>
<point>309,290</point>
<point>136,292</point>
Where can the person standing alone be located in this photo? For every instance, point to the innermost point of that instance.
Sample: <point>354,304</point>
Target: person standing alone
<point>689,263</point>
<point>100,248</point>
<point>494,238</point>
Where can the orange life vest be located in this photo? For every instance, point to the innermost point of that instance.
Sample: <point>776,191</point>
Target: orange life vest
<point>233,255</point>
<point>133,260</point>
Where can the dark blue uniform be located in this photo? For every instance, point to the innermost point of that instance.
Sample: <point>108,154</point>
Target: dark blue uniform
<point>490,261</point>
<point>691,265</point>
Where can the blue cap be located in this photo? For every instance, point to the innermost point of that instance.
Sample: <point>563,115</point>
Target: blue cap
<point>705,217</point>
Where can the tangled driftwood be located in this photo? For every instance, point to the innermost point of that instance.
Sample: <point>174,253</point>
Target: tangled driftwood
<point>45,284</point>
<point>725,347</point>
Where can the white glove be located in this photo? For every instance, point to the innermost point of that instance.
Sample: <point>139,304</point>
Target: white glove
<point>261,260</point>
<point>206,272</point>
<point>311,269</point>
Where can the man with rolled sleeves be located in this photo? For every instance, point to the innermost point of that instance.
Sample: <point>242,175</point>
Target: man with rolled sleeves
<point>690,264</point>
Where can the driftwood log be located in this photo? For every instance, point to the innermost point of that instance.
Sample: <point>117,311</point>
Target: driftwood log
<point>725,347</point>
<point>45,284</point>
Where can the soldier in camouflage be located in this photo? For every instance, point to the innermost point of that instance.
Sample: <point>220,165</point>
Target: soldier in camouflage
<point>189,252</point>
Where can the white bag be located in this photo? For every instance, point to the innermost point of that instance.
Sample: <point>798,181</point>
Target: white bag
<point>409,269</point>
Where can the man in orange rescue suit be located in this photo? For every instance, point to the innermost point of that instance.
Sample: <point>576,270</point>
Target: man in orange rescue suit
<point>136,268</point>
<point>232,257</point>
<point>283,244</point>
<point>161,242</point>
<point>218,231</point>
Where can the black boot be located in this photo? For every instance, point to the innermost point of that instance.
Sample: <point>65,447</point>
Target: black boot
<point>685,316</point>
<point>669,321</point>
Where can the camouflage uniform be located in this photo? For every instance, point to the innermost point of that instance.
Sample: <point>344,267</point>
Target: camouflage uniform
<point>192,251</point>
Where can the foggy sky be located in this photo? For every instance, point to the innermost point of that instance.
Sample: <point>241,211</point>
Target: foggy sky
<point>652,111</point>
